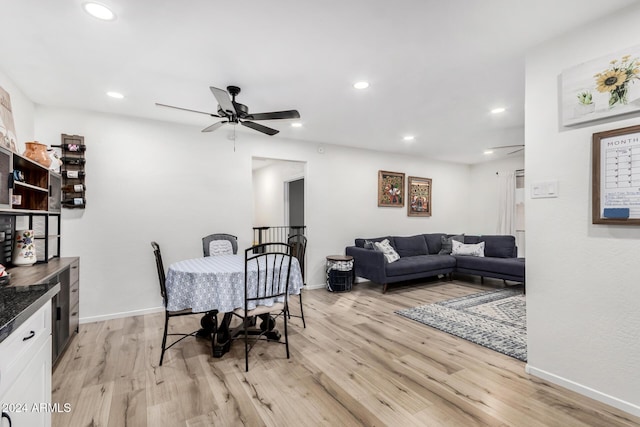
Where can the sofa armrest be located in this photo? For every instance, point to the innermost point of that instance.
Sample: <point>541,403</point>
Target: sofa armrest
<point>368,263</point>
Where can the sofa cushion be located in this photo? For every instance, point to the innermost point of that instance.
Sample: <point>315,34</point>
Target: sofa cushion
<point>360,242</point>
<point>458,248</point>
<point>411,246</point>
<point>389,253</point>
<point>446,243</point>
<point>471,240</point>
<point>433,242</point>
<point>420,264</point>
<point>499,246</point>
<point>507,266</point>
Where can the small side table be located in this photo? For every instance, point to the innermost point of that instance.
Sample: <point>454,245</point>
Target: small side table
<point>339,273</point>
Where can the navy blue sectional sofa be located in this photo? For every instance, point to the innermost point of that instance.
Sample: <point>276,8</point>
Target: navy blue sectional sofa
<point>420,258</point>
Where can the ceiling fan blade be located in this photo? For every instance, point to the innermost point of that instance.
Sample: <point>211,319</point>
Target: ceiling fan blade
<point>260,128</point>
<point>214,126</point>
<point>515,151</point>
<point>222,96</point>
<point>289,114</point>
<point>505,146</point>
<point>186,109</point>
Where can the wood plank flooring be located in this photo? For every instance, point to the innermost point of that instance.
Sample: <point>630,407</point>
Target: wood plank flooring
<point>356,363</point>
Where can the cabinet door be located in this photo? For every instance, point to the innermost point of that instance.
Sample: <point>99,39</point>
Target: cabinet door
<point>28,401</point>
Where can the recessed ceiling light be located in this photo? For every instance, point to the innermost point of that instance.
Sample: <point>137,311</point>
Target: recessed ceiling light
<point>99,11</point>
<point>116,95</point>
<point>498,110</point>
<point>487,152</point>
<point>296,125</point>
<point>409,138</point>
<point>361,85</point>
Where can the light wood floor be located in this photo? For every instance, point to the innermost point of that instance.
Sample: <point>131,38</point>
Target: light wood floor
<point>356,363</point>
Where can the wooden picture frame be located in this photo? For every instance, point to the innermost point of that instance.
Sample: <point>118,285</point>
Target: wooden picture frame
<point>616,177</point>
<point>390,189</point>
<point>419,194</point>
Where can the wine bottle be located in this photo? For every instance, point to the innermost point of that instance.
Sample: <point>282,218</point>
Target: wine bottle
<point>73,160</point>
<point>73,174</point>
<point>75,202</point>
<point>76,188</point>
<point>71,147</point>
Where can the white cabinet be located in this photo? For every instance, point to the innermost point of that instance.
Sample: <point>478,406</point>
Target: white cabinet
<point>25,372</point>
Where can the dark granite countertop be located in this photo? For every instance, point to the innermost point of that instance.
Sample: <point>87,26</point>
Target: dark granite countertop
<point>18,303</point>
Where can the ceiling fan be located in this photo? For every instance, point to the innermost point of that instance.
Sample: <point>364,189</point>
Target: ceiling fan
<point>234,112</point>
<point>521,147</point>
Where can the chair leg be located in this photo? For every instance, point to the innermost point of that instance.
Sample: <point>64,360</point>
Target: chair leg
<point>286,335</point>
<point>246,343</point>
<point>304,325</point>
<point>164,336</point>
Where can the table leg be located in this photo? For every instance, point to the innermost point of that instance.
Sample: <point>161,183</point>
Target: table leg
<point>221,341</point>
<point>209,325</point>
<point>268,324</point>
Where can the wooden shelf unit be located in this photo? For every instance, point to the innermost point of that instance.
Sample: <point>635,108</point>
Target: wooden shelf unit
<point>31,191</point>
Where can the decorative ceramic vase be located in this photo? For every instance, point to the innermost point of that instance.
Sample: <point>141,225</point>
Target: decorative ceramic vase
<point>24,248</point>
<point>38,153</point>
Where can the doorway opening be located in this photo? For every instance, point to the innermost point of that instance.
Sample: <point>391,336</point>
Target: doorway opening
<point>278,199</point>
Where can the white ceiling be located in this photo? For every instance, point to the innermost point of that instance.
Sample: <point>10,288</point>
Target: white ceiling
<point>436,68</point>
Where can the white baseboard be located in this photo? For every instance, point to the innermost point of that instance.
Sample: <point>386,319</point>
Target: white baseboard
<point>584,390</point>
<point>121,315</point>
<point>317,286</point>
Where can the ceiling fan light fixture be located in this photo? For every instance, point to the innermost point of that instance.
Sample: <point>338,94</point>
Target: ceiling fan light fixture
<point>296,125</point>
<point>488,152</point>
<point>361,85</point>
<point>98,10</point>
<point>498,110</point>
<point>408,138</point>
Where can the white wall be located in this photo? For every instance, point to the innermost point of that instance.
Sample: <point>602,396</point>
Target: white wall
<point>582,279</point>
<point>268,191</point>
<point>148,180</point>
<point>483,193</point>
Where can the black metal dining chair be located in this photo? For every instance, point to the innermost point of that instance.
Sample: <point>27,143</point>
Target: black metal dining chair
<point>217,248</point>
<point>169,314</point>
<point>298,244</point>
<point>267,269</point>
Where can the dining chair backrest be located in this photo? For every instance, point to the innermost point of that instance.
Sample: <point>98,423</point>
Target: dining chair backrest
<point>272,262</point>
<point>211,246</point>
<point>161,275</point>
<point>298,244</point>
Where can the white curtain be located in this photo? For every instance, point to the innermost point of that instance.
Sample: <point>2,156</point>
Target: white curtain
<point>507,203</point>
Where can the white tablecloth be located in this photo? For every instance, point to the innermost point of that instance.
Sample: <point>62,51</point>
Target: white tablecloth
<point>215,283</point>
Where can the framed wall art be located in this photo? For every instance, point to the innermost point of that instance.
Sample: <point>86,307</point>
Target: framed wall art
<point>616,177</point>
<point>419,193</point>
<point>601,88</point>
<point>390,189</point>
<point>7,128</point>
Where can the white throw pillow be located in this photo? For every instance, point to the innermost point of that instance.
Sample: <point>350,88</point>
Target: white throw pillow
<point>388,251</point>
<point>458,248</point>
<point>220,247</point>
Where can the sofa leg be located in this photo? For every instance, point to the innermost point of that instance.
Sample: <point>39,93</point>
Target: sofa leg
<point>384,288</point>
<point>482,280</point>
<point>451,277</point>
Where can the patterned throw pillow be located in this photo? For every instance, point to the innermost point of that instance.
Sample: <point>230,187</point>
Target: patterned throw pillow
<point>470,250</point>
<point>385,247</point>
<point>446,243</point>
<point>220,247</point>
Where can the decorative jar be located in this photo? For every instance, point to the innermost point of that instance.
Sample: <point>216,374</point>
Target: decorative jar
<point>38,153</point>
<point>24,248</point>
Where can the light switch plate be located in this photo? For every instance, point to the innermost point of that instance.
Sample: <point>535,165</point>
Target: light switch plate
<point>544,189</point>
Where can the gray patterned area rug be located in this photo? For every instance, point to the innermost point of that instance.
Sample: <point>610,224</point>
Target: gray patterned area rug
<point>494,319</point>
